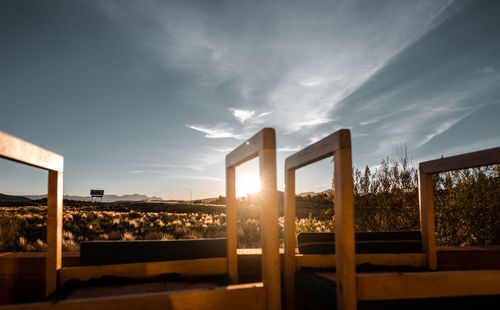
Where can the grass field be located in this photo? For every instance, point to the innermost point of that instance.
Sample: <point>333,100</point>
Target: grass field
<point>23,228</point>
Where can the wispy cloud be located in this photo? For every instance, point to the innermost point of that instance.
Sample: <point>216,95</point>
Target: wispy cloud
<point>215,132</point>
<point>223,149</point>
<point>242,115</point>
<point>193,177</point>
<point>290,148</point>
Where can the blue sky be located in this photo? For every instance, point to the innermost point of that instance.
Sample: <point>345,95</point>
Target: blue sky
<point>149,96</point>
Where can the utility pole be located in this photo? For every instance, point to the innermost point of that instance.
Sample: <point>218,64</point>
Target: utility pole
<point>190,194</point>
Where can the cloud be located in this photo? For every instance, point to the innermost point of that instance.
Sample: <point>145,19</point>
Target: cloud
<point>223,149</point>
<point>242,115</point>
<point>193,177</point>
<point>290,148</point>
<point>219,131</point>
<point>264,114</point>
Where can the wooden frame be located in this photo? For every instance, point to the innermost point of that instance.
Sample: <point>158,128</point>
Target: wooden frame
<point>15,149</point>
<point>262,145</point>
<point>337,145</point>
<point>426,197</point>
<point>262,295</point>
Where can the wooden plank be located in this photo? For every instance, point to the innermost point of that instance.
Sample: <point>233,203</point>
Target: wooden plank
<point>385,286</point>
<point>427,229</point>
<point>54,230</point>
<point>246,296</point>
<point>324,148</point>
<point>264,139</point>
<point>195,267</point>
<point>231,230</point>
<point>24,152</point>
<point>290,240</point>
<point>463,161</point>
<point>344,230</point>
<point>269,228</point>
<point>329,260</point>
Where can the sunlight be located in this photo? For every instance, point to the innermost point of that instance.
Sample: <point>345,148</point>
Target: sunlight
<point>248,184</point>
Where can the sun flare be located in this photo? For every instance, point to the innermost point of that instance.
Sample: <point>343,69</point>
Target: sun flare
<point>248,184</point>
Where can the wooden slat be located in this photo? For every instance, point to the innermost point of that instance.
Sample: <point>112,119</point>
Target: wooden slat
<point>264,139</point>
<point>246,296</point>
<point>195,267</point>
<point>290,240</point>
<point>24,152</point>
<point>385,286</point>
<point>427,229</point>
<point>329,260</point>
<point>344,229</point>
<point>269,228</point>
<point>231,229</point>
<point>54,230</point>
<point>262,145</point>
<point>322,149</point>
<point>463,161</point>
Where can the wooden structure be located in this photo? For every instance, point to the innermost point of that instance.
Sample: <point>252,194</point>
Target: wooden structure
<point>260,295</point>
<point>352,286</point>
<point>26,153</point>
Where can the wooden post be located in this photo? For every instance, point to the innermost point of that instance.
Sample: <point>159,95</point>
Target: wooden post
<point>427,229</point>
<point>269,228</point>
<point>232,257</point>
<point>344,231</point>
<point>54,230</point>
<point>290,239</point>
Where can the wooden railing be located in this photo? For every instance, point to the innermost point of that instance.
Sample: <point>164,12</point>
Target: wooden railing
<point>426,197</point>
<point>261,145</point>
<point>29,154</point>
<point>337,145</point>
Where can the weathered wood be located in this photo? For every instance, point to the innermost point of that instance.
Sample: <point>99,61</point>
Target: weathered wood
<point>261,145</point>
<point>427,229</point>
<point>54,230</point>
<point>244,296</point>
<point>338,145</point>
<point>324,148</point>
<point>231,232</point>
<point>195,267</point>
<point>24,152</point>
<point>385,286</point>
<point>290,240</point>
<point>264,139</point>
<point>344,230</point>
<point>269,228</point>
<point>329,260</point>
<point>463,161</point>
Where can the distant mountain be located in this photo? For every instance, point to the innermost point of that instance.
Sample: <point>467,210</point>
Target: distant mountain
<point>105,198</point>
<point>13,198</point>
<point>305,194</point>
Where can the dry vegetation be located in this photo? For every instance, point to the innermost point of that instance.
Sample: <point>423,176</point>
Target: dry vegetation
<point>467,213</point>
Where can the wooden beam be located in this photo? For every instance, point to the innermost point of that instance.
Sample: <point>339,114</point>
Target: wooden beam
<point>386,286</point>
<point>271,271</point>
<point>264,139</point>
<point>262,145</point>
<point>245,297</point>
<point>24,152</point>
<point>290,240</point>
<point>427,222</point>
<point>338,145</point>
<point>324,148</point>
<point>329,260</point>
<point>194,267</point>
<point>463,161</point>
<point>54,230</point>
<point>231,229</point>
<point>344,229</point>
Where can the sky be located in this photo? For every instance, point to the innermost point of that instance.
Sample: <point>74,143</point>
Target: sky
<point>150,96</point>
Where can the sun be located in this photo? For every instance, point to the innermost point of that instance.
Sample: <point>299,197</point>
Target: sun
<point>248,184</point>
